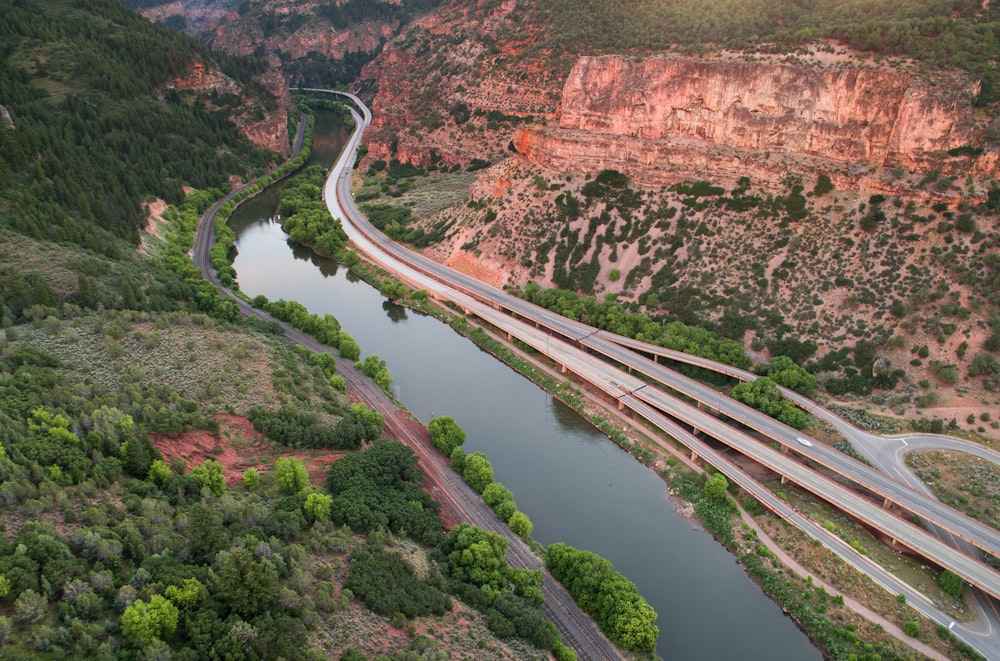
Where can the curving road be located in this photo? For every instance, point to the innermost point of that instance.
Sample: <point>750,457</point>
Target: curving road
<point>578,630</point>
<point>499,307</point>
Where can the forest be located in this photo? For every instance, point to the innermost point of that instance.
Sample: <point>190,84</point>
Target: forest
<point>96,129</point>
<point>958,33</point>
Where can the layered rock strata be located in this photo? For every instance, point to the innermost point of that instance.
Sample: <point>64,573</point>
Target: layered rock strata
<point>662,119</point>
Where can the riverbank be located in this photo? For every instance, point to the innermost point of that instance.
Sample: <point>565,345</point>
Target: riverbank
<point>666,458</point>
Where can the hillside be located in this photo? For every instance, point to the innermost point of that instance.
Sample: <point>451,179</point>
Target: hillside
<point>145,513</point>
<point>314,43</point>
<point>108,110</point>
<point>793,184</point>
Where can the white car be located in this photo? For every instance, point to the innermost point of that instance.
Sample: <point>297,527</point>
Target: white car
<point>804,441</point>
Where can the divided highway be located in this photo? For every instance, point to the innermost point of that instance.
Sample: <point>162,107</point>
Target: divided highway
<point>577,629</point>
<point>552,334</point>
<point>507,312</point>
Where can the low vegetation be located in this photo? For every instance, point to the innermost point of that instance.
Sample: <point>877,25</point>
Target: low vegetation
<point>967,483</point>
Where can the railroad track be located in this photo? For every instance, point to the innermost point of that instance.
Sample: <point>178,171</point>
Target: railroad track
<point>576,628</point>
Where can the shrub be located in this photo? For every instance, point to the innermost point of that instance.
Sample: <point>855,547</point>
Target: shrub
<point>951,583</point>
<point>911,628</point>
<point>521,525</point>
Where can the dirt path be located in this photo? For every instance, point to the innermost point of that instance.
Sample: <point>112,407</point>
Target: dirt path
<point>853,604</point>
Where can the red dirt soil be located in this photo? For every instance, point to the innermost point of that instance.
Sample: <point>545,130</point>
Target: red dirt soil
<point>237,448</point>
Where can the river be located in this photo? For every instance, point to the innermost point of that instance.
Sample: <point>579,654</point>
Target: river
<point>574,483</point>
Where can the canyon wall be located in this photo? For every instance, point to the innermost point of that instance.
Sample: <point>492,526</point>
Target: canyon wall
<point>664,119</point>
<point>265,129</point>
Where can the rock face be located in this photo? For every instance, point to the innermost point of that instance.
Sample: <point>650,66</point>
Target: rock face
<point>265,130</point>
<point>244,37</point>
<point>198,15</point>
<point>661,119</point>
<point>460,55</point>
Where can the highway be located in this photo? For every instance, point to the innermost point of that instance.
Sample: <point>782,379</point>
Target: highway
<point>551,334</point>
<point>577,629</point>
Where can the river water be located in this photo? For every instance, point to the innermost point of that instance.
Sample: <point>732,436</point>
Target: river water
<point>574,483</point>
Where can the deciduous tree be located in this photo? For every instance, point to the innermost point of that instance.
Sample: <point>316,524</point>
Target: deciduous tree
<point>446,434</point>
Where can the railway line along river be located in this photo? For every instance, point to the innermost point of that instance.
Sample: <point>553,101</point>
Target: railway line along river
<point>574,483</point>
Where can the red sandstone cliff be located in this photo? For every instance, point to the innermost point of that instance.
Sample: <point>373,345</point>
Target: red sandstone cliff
<point>664,119</point>
<point>470,55</point>
<point>264,129</point>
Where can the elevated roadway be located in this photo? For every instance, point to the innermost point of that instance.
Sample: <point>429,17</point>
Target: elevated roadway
<point>467,293</point>
<point>577,629</point>
<point>553,335</point>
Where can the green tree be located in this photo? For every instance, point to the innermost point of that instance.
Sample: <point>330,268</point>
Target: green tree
<point>457,458</point>
<point>951,583</point>
<point>159,472</point>
<point>189,594</point>
<point>716,487</point>
<point>143,622</point>
<point>251,479</point>
<point>446,434</point>
<point>478,471</point>
<point>211,477</point>
<point>787,373</point>
<point>477,556</point>
<point>248,585</point>
<point>317,505</point>
<point>290,475</point>
<point>521,525</point>
<point>348,347</point>
<point>371,421</point>
<point>496,493</point>
<point>29,606</point>
<point>375,369</point>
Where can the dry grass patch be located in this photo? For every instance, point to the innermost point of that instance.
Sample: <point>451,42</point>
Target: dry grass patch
<point>969,484</point>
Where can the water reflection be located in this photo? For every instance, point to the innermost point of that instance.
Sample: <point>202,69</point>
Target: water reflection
<point>574,484</point>
<point>327,267</point>
<point>396,313</point>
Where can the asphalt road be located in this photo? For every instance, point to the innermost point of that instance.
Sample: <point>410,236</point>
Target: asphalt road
<point>577,629</point>
<point>468,292</point>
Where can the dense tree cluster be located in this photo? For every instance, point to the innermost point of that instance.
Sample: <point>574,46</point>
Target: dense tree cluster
<point>326,329</point>
<point>94,136</point>
<point>306,218</point>
<point>613,316</point>
<point>160,563</point>
<point>610,598</point>
<point>785,372</point>
<point>303,429</point>
<point>379,489</point>
<point>763,395</point>
<point>388,585</point>
<point>479,574</point>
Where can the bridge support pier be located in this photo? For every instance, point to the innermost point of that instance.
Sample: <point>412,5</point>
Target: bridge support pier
<point>510,336</point>
<point>694,456</point>
<point>886,503</point>
<point>784,449</point>
<point>784,479</point>
<point>562,369</point>
<point>621,405</point>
